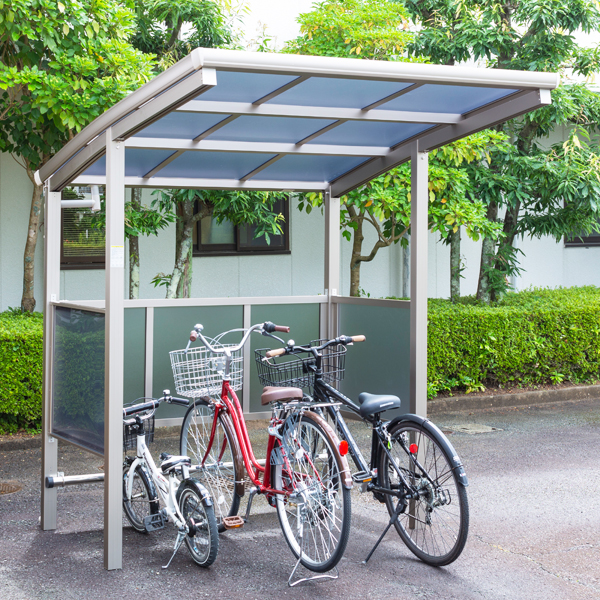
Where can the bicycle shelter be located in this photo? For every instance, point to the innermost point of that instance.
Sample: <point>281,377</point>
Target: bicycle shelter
<point>230,120</point>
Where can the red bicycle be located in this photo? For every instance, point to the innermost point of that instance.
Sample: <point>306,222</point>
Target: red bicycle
<point>304,475</point>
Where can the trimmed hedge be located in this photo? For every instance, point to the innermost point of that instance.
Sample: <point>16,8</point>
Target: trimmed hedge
<point>534,337</point>
<point>21,366</point>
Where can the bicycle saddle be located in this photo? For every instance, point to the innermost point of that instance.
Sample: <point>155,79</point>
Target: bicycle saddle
<point>171,462</point>
<point>274,394</point>
<point>371,404</point>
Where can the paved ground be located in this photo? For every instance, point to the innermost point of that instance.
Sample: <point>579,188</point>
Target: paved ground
<point>535,528</point>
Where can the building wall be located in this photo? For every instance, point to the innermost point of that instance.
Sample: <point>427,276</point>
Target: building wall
<point>546,262</point>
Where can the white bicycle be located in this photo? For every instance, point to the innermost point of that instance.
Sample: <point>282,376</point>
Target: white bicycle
<point>186,502</point>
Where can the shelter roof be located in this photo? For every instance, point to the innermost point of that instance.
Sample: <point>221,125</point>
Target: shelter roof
<point>225,119</point>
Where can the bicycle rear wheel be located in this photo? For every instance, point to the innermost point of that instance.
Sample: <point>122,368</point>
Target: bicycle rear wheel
<point>202,539</point>
<point>315,516</point>
<point>435,526</point>
<point>219,468</point>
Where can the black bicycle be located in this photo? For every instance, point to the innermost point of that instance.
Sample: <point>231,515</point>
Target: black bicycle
<point>414,468</point>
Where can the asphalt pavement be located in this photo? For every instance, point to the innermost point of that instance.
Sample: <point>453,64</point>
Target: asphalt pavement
<point>534,491</point>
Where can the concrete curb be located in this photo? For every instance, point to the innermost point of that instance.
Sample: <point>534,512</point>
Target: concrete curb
<point>586,392</point>
<point>434,407</point>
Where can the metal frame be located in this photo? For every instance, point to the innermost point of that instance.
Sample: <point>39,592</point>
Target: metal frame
<point>178,89</point>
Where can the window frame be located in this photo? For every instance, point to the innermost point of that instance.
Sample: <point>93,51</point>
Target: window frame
<point>235,249</point>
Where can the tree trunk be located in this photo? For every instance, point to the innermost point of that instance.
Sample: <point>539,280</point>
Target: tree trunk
<point>183,249</point>
<point>28,299</point>
<point>487,259</point>
<point>134,250</point>
<point>455,267</point>
<point>355,261</point>
<point>406,270</point>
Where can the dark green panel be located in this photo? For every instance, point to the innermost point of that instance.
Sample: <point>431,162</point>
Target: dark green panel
<point>172,328</point>
<point>381,364</point>
<point>135,354</point>
<point>303,321</point>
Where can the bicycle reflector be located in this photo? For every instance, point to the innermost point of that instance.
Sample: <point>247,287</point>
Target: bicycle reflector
<point>413,448</point>
<point>343,447</point>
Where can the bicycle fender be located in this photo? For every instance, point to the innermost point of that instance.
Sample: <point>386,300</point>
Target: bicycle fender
<point>202,491</point>
<point>341,460</point>
<point>440,438</point>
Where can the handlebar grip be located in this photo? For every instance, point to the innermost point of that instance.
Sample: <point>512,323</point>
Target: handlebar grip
<point>269,327</point>
<point>180,401</point>
<point>358,338</point>
<point>276,352</point>
<point>282,328</point>
<point>193,336</point>
<point>136,408</point>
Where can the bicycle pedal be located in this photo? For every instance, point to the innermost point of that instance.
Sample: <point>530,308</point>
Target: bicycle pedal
<point>233,522</point>
<point>154,522</point>
<point>362,477</point>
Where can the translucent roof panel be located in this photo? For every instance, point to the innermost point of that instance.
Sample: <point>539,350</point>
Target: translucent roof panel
<point>369,133</point>
<point>181,125</point>
<point>269,129</point>
<point>138,162</point>
<point>446,98</point>
<point>346,93</point>
<point>309,168</point>
<point>215,165</point>
<point>235,86</point>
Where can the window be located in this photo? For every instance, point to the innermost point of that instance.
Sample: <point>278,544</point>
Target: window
<point>82,245</point>
<point>585,240</point>
<point>226,238</point>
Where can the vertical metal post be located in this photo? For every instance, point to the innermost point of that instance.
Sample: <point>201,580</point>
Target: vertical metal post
<point>114,353</point>
<point>418,281</point>
<point>332,258</point>
<point>149,353</point>
<point>51,294</point>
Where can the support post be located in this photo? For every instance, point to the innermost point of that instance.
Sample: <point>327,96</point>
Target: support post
<point>114,324</point>
<point>332,258</point>
<point>418,281</point>
<point>51,294</point>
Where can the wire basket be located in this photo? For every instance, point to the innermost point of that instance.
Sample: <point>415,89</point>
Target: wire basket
<point>199,372</point>
<point>293,370</point>
<point>130,433</point>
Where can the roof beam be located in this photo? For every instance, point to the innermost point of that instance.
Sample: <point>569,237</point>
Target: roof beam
<point>254,147</point>
<point>208,184</point>
<point>283,88</point>
<point>410,88</point>
<point>319,112</point>
<point>497,113</point>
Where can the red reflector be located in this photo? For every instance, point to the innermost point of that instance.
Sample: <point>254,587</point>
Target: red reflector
<point>413,448</point>
<point>343,447</point>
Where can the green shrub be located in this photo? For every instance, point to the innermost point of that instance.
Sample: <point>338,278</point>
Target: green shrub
<point>21,366</point>
<point>533,337</point>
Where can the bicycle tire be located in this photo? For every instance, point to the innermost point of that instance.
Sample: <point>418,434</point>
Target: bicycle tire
<point>435,527</point>
<point>202,540</point>
<point>312,466</point>
<point>144,499</point>
<point>221,472</point>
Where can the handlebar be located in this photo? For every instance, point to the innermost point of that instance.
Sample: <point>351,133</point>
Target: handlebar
<point>153,403</point>
<point>342,339</point>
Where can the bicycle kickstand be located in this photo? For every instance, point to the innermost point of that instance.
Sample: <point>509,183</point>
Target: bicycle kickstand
<point>180,537</point>
<point>399,508</point>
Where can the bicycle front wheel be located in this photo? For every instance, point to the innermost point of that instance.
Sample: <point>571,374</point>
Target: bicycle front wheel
<point>202,538</point>
<point>218,469</point>
<point>435,526</point>
<point>143,500</point>
<point>315,512</point>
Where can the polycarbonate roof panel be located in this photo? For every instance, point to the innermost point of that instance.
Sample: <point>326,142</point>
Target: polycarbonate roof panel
<point>357,133</point>
<point>345,93</point>
<point>181,125</point>
<point>309,168</point>
<point>268,129</point>
<point>214,165</point>
<point>458,99</point>
<point>236,86</point>
<point>138,162</point>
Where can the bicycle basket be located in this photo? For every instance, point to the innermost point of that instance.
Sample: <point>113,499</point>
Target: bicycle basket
<point>199,372</point>
<point>130,434</point>
<point>293,370</point>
